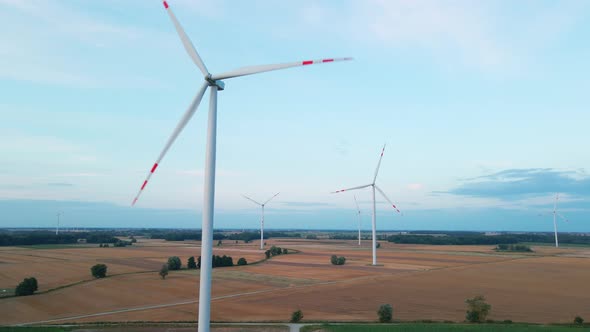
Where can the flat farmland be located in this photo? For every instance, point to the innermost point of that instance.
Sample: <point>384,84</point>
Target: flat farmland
<point>420,281</point>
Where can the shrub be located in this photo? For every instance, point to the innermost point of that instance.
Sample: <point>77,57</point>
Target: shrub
<point>191,264</point>
<point>296,316</point>
<point>164,271</point>
<point>385,313</point>
<point>477,309</point>
<point>99,271</point>
<point>242,261</point>
<point>285,251</point>
<point>174,263</point>
<point>578,320</point>
<point>267,253</point>
<point>27,287</point>
<point>219,243</point>
<point>335,260</point>
<point>378,245</point>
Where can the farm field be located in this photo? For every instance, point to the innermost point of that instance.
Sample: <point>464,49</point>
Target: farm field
<point>419,281</point>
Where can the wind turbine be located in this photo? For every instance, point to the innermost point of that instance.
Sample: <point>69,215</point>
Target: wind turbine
<point>262,219</point>
<point>374,187</point>
<point>555,215</point>
<point>216,84</point>
<point>57,228</point>
<point>358,212</point>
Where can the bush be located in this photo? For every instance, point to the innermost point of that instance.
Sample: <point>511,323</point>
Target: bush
<point>385,313</point>
<point>477,309</point>
<point>578,320</point>
<point>164,271</point>
<point>296,316</point>
<point>267,253</point>
<point>378,245</point>
<point>99,271</point>
<point>335,260</point>
<point>191,264</point>
<point>242,261</point>
<point>174,263</point>
<point>27,287</point>
<point>285,251</point>
<point>219,243</point>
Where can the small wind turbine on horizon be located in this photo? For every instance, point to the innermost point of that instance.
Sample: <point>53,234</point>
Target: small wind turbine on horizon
<point>262,218</point>
<point>358,213</point>
<point>555,215</point>
<point>215,83</point>
<point>373,187</point>
<point>58,216</point>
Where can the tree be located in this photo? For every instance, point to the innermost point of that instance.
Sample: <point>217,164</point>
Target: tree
<point>296,316</point>
<point>191,264</point>
<point>199,262</point>
<point>99,271</point>
<point>385,313</point>
<point>335,260</point>
<point>378,245</point>
<point>267,253</point>
<point>219,243</point>
<point>174,263</point>
<point>27,287</point>
<point>242,261</point>
<point>164,271</point>
<point>477,309</point>
<point>578,320</point>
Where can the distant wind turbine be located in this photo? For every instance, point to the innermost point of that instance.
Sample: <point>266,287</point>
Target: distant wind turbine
<point>555,215</point>
<point>374,186</point>
<point>57,228</point>
<point>262,218</point>
<point>358,213</point>
<point>215,83</point>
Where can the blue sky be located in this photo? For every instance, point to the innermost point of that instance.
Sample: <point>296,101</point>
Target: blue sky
<point>483,106</point>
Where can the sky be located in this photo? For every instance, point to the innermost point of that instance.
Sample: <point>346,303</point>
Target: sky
<point>482,107</point>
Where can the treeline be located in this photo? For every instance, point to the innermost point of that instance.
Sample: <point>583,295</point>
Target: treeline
<point>481,239</point>
<point>46,237</point>
<point>182,235</point>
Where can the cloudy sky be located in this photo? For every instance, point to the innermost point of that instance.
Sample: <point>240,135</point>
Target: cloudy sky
<point>483,106</point>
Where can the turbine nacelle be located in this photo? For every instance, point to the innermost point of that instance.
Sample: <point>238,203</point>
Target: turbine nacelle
<point>218,83</point>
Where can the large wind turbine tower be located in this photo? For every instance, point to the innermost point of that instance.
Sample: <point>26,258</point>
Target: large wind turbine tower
<point>215,83</point>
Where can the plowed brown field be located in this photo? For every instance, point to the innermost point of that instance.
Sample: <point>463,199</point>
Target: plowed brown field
<point>421,282</point>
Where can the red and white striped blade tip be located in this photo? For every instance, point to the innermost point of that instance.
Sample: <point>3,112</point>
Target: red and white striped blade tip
<point>165,4</point>
<point>145,182</point>
<point>311,62</point>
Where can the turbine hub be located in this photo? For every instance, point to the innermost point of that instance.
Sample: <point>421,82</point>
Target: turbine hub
<point>219,84</point>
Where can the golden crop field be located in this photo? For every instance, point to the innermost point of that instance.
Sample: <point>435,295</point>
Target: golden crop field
<point>419,281</point>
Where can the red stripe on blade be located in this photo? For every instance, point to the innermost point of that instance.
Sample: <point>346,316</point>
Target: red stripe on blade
<point>154,167</point>
<point>144,183</point>
<point>134,201</point>
<point>328,60</point>
<point>308,62</point>
<point>165,4</point>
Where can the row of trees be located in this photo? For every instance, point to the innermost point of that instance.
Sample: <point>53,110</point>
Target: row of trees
<point>46,237</point>
<point>274,251</point>
<point>174,263</point>
<point>482,239</point>
<point>514,247</point>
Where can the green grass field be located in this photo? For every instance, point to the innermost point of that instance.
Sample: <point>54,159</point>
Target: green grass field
<point>31,329</point>
<point>440,328</point>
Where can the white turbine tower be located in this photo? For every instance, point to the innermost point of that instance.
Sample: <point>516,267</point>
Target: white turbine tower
<point>555,215</point>
<point>374,187</point>
<point>216,84</point>
<point>358,213</point>
<point>262,218</point>
<point>58,216</point>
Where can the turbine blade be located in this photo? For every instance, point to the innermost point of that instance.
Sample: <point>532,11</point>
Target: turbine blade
<point>248,198</point>
<point>378,164</point>
<point>264,68</point>
<point>183,121</point>
<point>353,188</point>
<point>387,199</point>
<point>186,42</point>
<point>562,217</point>
<point>357,205</point>
<point>271,198</point>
